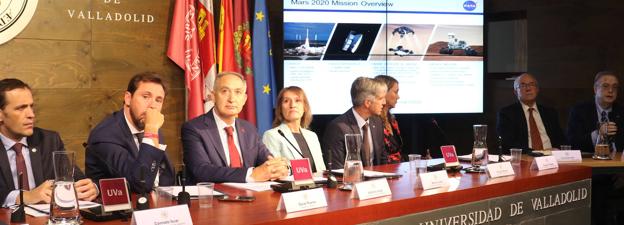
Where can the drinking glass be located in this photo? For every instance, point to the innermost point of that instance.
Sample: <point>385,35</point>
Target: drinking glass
<point>64,200</point>
<point>353,170</point>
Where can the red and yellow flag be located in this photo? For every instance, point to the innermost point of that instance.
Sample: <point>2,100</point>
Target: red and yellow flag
<point>235,49</point>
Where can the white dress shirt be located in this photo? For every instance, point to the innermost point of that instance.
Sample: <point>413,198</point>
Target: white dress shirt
<point>224,142</point>
<point>8,144</point>
<point>540,126</point>
<point>360,123</point>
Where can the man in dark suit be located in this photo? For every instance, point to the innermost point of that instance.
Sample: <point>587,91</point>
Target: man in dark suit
<point>27,149</point>
<point>583,132</point>
<point>219,147</point>
<point>368,97</point>
<point>585,117</point>
<point>516,122</point>
<point>127,143</point>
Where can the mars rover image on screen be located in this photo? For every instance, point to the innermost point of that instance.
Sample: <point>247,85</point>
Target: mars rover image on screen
<point>401,42</point>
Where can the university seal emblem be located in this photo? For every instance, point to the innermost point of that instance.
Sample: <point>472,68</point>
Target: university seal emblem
<point>14,16</point>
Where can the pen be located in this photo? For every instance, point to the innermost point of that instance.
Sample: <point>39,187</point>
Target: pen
<point>38,210</point>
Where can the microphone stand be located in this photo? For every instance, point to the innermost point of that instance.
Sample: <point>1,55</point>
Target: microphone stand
<point>332,181</point>
<point>184,197</point>
<point>142,200</point>
<point>499,141</point>
<point>19,215</point>
<point>446,139</point>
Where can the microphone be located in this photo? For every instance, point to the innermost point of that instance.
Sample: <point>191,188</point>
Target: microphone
<point>291,144</point>
<point>446,139</point>
<point>19,215</point>
<point>611,138</point>
<point>142,200</point>
<point>184,197</point>
<point>499,141</point>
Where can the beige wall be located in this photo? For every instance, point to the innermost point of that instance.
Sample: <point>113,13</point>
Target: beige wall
<point>79,68</point>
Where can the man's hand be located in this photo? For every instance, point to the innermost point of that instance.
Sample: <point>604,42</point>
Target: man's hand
<point>272,169</point>
<point>609,128</point>
<point>86,189</point>
<point>42,193</point>
<point>153,120</point>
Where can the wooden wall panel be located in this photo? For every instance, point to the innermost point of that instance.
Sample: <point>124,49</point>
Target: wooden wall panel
<point>77,110</point>
<point>116,62</point>
<point>51,21</point>
<point>79,68</point>
<point>47,63</point>
<point>129,31</point>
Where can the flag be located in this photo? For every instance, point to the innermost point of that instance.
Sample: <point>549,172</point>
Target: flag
<point>235,49</point>
<point>225,56</point>
<point>205,28</point>
<point>183,50</point>
<point>242,53</point>
<point>264,75</point>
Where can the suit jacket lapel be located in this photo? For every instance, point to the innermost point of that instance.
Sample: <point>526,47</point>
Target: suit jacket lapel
<point>355,129</point>
<point>34,151</point>
<point>213,135</point>
<point>523,123</point>
<point>6,168</point>
<point>128,136</point>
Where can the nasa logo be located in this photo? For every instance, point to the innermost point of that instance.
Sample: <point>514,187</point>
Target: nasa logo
<point>14,16</point>
<point>470,5</point>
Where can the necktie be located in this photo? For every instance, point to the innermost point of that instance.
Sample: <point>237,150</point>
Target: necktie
<point>21,166</point>
<point>603,117</point>
<point>536,140</point>
<point>366,148</point>
<point>235,160</point>
<point>139,139</point>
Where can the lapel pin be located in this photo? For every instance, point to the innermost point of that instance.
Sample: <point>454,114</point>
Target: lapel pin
<point>34,150</point>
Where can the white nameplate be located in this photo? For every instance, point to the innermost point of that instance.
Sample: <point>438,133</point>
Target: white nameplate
<point>371,189</point>
<point>569,156</point>
<point>434,179</point>
<point>544,163</point>
<point>502,169</point>
<point>302,200</point>
<point>173,215</point>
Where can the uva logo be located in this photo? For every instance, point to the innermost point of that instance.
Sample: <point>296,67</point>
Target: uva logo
<point>301,170</point>
<point>470,5</point>
<point>114,192</point>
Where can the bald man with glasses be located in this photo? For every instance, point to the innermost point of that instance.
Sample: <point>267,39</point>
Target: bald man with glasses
<point>526,124</point>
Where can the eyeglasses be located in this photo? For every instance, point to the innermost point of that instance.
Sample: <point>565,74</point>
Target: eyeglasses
<point>609,86</point>
<point>526,85</point>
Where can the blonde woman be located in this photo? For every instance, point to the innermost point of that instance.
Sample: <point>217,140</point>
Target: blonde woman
<point>292,117</point>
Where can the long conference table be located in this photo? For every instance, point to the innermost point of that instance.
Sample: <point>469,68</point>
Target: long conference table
<point>471,195</point>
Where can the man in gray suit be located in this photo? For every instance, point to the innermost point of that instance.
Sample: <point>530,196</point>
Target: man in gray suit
<point>219,147</point>
<point>368,97</point>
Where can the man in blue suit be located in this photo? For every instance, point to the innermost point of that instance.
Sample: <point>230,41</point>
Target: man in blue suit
<point>127,143</point>
<point>28,150</point>
<point>515,122</point>
<point>218,147</point>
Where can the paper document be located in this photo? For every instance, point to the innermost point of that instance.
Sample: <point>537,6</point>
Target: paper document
<point>255,186</point>
<point>191,189</point>
<point>316,178</point>
<point>370,173</point>
<point>491,158</point>
<point>38,210</point>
